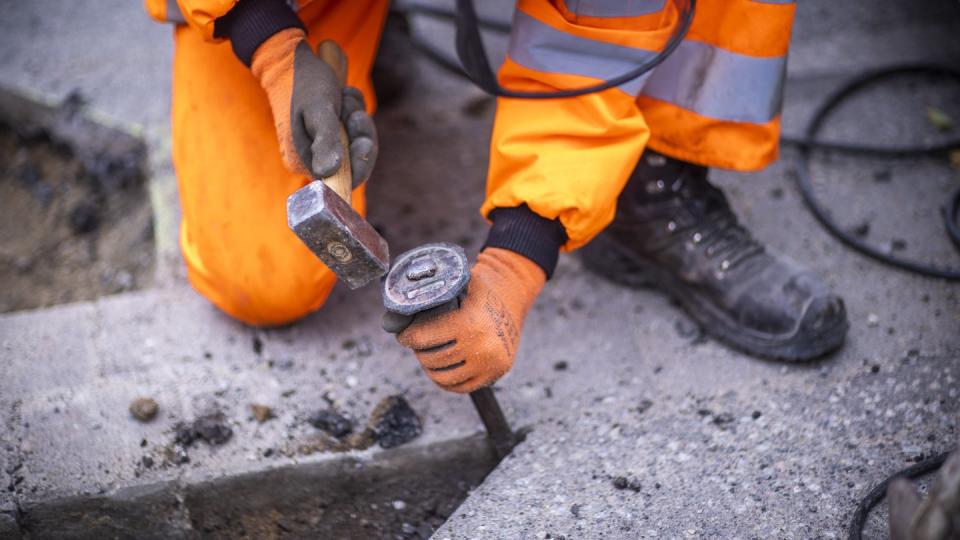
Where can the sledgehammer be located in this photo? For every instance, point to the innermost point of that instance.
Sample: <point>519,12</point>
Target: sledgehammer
<point>433,278</point>
<point>320,213</point>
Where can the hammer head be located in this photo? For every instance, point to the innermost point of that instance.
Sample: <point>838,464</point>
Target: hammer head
<point>337,234</point>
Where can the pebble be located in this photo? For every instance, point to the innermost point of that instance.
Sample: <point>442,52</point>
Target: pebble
<point>399,505</point>
<point>873,320</point>
<point>144,409</point>
<point>261,413</point>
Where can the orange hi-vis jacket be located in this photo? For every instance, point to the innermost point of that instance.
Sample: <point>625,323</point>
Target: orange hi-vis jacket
<point>715,101</point>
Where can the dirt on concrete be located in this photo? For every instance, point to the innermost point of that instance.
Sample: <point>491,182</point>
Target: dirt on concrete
<point>210,428</point>
<point>392,422</point>
<point>67,234</point>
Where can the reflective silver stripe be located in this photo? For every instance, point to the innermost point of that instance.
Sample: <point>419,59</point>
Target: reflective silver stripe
<point>775,1</point>
<point>703,79</point>
<point>614,8</point>
<point>719,84</point>
<point>541,47</point>
<point>173,13</point>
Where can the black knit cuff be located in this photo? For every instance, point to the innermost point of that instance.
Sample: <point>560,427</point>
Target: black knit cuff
<point>251,22</point>
<point>523,231</point>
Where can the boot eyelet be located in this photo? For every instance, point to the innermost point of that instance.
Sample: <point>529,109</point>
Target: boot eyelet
<point>655,187</point>
<point>697,237</point>
<point>672,226</point>
<point>655,160</point>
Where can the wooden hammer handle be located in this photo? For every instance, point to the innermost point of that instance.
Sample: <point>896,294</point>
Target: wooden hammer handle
<point>341,182</point>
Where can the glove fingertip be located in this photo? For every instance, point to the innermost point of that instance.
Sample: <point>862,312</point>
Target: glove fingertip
<point>395,323</point>
<point>363,157</point>
<point>325,165</point>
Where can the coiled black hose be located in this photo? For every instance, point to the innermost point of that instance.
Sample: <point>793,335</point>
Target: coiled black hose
<point>951,211</point>
<point>877,494</point>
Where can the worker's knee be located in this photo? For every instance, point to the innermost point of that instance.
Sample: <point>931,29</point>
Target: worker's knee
<point>279,300</point>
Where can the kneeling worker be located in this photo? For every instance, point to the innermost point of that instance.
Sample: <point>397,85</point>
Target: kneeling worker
<point>622,171</point>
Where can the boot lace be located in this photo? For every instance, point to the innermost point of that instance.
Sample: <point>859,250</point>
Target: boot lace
<point>715,227</point>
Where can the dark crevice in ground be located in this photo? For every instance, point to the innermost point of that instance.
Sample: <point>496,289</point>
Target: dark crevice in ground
<point>407,493</point>
<point>75,217</point>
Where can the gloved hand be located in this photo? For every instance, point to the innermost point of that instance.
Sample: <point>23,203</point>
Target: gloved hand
<point>471,347</point>
<point>308,104</point>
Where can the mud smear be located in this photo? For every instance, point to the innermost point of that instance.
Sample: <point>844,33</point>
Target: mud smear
<point>68,233</point>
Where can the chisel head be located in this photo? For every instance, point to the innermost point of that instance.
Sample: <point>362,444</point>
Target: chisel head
<point>337,234</point>
<point>425,277</point>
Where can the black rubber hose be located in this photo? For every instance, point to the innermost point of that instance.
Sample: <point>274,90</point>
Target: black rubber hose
<point>474,65</point>
<point>877,494</point>
<point>809,143</point>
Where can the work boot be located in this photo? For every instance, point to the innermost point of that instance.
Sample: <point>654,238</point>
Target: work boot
<point>675,231</point>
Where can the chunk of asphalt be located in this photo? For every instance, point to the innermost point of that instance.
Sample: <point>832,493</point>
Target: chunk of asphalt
<point>211,429</point>
<point>394,422</point>
<point>331,422</point>
<point>623,482</point>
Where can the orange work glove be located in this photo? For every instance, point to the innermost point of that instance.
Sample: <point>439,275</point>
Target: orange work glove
<point>471,347</point>
<point>309,104</point>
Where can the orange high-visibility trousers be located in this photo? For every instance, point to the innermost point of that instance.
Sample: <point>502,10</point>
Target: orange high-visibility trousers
<point>233,186</point>
<point>715,101</point>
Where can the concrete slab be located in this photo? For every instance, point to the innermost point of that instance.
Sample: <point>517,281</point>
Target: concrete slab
<point>9,468</point>
<point>788,459</point>
<point>83,452</point>
<point>51,49</point>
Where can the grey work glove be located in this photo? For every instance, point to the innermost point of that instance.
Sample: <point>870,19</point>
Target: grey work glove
<point>309,103</point>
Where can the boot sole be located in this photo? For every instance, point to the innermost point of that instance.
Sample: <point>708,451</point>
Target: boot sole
<point>607,259</point>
